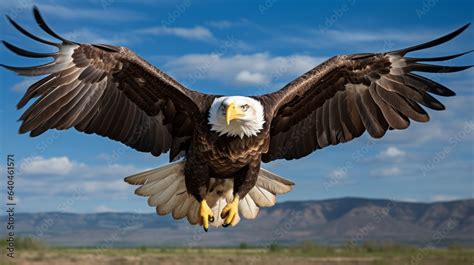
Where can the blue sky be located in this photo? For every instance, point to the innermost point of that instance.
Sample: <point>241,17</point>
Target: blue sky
<point>246,48</point>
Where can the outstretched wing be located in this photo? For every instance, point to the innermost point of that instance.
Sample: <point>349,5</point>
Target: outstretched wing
<point>109,91</point>
<point>346,95</point>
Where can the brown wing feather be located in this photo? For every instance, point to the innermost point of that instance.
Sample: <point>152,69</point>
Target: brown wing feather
<point>109,91</point>
<point>346,95</point>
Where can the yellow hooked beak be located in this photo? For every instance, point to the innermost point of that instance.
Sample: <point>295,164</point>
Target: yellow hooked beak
<point>232,113</point>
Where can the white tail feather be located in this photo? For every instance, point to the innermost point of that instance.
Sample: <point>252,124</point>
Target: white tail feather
<point>155,174</point>
<point>158,186</point>
<point>248,208</point>
<point>166,189</point>
<point>164,195</point>
<point>262,197</point>
<point>182,210</point>
<point>273,182</point>
<point>193,210</point>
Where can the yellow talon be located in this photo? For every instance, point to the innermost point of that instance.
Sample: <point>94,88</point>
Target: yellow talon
<point>231,211</point>
<point>205,214</point>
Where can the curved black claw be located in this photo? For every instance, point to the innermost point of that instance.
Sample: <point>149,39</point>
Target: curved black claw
<point>211,219</point>
<point>225,225</point>
<point>205,229</point>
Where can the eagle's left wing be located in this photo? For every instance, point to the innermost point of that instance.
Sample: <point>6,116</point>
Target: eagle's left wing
<point>346,95</point>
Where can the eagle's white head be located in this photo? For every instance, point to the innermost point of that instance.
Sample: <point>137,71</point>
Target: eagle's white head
<point>236,116</point>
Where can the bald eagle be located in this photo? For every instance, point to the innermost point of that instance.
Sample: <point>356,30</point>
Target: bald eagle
<point>216,143</point>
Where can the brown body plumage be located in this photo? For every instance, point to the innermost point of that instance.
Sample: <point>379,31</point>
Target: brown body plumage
<point>110,91</point>
<point>224,157</point>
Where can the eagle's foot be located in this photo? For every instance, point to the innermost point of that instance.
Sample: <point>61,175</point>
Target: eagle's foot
<point>231,212</point>
<point>205,215</point>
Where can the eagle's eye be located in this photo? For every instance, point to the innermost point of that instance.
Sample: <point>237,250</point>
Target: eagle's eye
<point>244,107</point>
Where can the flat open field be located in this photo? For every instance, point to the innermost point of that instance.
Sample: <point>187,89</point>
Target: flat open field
<point>242,256</point>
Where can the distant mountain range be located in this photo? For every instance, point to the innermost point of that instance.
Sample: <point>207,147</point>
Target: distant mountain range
<point>335,221</point>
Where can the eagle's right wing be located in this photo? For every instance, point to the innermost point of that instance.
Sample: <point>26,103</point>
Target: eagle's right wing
<point>109,91</point>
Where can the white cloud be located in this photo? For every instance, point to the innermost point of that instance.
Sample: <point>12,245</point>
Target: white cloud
<point>338,173</point>
<point>442,198</point>
<point>386,172</point>
<point>220,24</point>
<point>251,78</point>
<point>88,13</point>
<point>63,165</point>
<point>105,156</point>
<point>39,165</point>
<point>61,176</point>
<point>115,169</point>
<point>104,186</point>
<point>380,39</point>
<point>87,36</point>
<point>23,85</point>
<point>408,199</point>
<point>226,24</point>
<point>103,208</point>
<point>75,184</point>
<point>379,35</point>
<point>335,177</point>
<point>195,33</point>
<point>240,69</point>
<point>392,152</point>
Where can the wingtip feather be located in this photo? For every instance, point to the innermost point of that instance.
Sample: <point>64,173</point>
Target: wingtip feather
<point>10,19</point>
<point>432,43</point>
<point>42,23</point>
<point>28,34</point>
<point>9,67</point>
